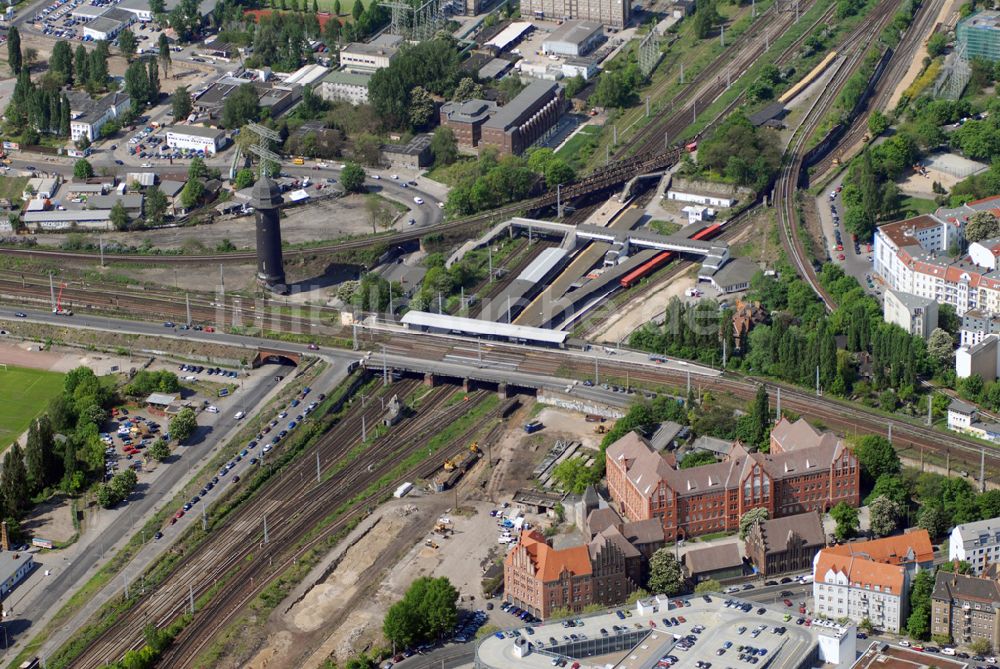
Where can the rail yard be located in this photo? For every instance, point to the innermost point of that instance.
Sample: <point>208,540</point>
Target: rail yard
<point>591,316</point>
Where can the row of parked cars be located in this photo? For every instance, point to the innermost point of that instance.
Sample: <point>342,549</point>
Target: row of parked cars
<point>211,371</point>
<point>518,612</point>
<point>245,453</point>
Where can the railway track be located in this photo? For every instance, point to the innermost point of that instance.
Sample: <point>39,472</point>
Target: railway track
<point>788,179</point>
<point>294,505</point>
<point>713,81</point>
<point>906,52</point>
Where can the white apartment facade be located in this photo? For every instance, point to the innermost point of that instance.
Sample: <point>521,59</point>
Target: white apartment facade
<point>89,123</point>
<point>860,589</point>
<point>977,543</point>
<point>912,257</point>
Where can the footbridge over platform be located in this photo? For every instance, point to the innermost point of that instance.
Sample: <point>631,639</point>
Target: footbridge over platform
<point>650,240</point>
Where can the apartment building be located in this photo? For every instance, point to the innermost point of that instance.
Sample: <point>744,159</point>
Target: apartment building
<point>916,315</point>
<point>965,608</point>
<point>539,578</point>
<point>977,543</point>
<point>870,579</point>
<point>912,256</point>
<point>805,471</point>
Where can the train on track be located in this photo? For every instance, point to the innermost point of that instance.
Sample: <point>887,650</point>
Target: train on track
<point>662,258</point>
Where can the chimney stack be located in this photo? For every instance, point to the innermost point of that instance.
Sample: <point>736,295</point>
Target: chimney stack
<point>4,542</point>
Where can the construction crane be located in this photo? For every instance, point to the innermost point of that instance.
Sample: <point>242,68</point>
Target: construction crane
<point>57,307</point>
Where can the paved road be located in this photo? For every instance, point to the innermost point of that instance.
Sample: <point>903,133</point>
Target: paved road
<point>424,215</point>
<point>129,517</point>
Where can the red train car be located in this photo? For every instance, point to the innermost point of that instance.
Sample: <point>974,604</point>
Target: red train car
<point>663,258</point>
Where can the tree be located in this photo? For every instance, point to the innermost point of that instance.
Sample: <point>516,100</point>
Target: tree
<point>918,625</point>
<point>982,225</point>
<point>357,10</point>
<point>760,416</point>
<point>244,178</point>
<point>336,7</point>
<point>183,425</point>
<point>877,457</point>
<point>877,123</point>
<point>380,213</point>
<point>885,515</point>
<point>61,62</point>
<point>941,347</point>
<point>893,487</point>
<point>421,107</point>
<point>427,611</point>
<point>665,575</point>
<point>197,169</point>
<point>137,84</point>
<point>156,205</point>
<point>242,106</point>
<point>14,481</point>
<point>119,217</point>
<point>153,79</point>
<point>711,585</point>
<point>697,459</point>
<point>574,476</point>
<point>191,194</point>
<point>352,178</point>
<point>163,44</point>
<point>128,43</point>
<point>757,515</point>
<point>558,171</point>
<point>157,7</point>
<point>14,51</point>
<point>981,646</point>
<point>444,146</point>
<point>847,521</point>
<point>123,483</point>
<point>181,105</point>
<point>82,169</point>
<point>34,459</point>
<point>467,89</point>
<point>989,504</point>
<point>936,45</point>
<point>158,450</point>
<point>933,519</point>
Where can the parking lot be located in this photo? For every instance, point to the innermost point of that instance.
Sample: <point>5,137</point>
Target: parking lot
<point>270,436</point>
<point>854,257</point>
<point>699,632</point>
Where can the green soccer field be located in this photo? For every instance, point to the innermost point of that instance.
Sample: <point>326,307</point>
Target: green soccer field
<point>24,394</point>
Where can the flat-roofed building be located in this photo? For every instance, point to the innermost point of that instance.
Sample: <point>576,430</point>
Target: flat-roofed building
<point>466,120</point>
<point>370,56</point>
<point>196,138</point>
<point>615,14</point>
<point>345,85</point>
<point>977,543</point>
<point>526,119</point>
<point>916,315</point>
<point>574,38</point>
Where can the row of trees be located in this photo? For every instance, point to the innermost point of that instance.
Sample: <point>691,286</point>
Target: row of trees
<point>142,83</point>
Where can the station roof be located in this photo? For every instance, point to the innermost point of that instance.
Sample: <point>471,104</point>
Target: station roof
<point>542,265</point>
<point>478,327</point>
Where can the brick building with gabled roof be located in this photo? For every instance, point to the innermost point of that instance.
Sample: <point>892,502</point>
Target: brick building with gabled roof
<point>539,578</point>
<point>785,544</point>
<point>806,471</point>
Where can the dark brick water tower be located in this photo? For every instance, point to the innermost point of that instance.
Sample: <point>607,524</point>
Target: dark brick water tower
<point>266,199</point>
